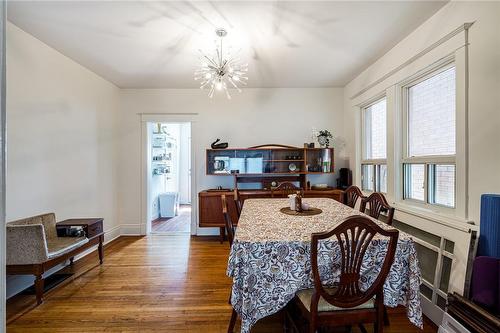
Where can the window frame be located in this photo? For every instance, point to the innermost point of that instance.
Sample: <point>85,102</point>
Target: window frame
<point>374,162</point>
<point>428,160</point>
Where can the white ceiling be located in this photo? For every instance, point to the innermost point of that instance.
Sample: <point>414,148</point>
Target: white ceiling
<point>138,44</point>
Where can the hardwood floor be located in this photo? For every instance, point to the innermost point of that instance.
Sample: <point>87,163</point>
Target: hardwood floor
<point>179,223</point>
<point>160,283</point>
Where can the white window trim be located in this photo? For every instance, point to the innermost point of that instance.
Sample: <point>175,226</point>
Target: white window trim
<point>365,161</point>
<point>459,159</point>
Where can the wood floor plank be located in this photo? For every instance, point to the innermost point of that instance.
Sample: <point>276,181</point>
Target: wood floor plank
<point>160,283</point>
<point>179,223</point>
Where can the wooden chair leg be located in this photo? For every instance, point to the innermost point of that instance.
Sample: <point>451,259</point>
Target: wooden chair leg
<point>362,328</point>
<point>222,234</point>
<point>232,322</point>
<point>39,282</point>
<point>386,317</point>
<point>312,325</point>
<point>378,326</point>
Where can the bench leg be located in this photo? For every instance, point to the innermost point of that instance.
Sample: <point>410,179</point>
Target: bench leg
<point>71,260</point>
<point>101,250</point>
<point>39,282</point>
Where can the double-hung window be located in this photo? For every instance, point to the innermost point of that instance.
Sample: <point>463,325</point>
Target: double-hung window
<point>374,132</point>
<point>429,148</point>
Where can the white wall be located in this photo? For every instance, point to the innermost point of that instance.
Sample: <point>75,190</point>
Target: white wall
<point>484,87</point>
<point>61,123</point>
<point>256,116</point>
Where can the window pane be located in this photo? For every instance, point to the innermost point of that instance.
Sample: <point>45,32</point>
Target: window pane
<point>382,178</point>
<point>426,291</point>
<point>442,184</point>
<point>428,260</point>
<point>441,302</point>
<point>445,274</point>
<point>375,130</point>
<point>414,181</point>
<point>431,115</point>
<point>367,177</point>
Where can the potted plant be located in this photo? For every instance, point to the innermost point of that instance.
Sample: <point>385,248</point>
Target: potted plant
<point>324,137</point>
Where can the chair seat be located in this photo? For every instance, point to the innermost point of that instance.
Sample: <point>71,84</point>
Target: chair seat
<point>305,296</point>
<point>60,245</point>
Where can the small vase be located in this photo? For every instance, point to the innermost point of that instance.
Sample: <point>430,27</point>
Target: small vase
<point>323,141</point>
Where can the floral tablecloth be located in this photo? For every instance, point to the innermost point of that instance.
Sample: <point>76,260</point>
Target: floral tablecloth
<point>270,259</point>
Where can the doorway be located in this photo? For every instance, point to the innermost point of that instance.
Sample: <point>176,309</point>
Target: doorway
<point>169,165</point>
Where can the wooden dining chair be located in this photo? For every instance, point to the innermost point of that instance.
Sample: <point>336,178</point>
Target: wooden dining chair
<point>238,201</point>
<point>284,188</point>
<point>351,196</point>
<point>228,222</point>
<point>230,236</point>
<point>344,303</point>
<point>377,204</point>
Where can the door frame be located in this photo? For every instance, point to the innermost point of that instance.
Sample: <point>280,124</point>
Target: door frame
<point>146,118</point>
<point>3,19</point>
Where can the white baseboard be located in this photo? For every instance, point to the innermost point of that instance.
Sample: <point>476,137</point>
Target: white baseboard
<point>131,229</point>
<point>432,311</point>
<point>208,232</point>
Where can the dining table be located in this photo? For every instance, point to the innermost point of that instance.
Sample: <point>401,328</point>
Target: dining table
<point>270,259</point>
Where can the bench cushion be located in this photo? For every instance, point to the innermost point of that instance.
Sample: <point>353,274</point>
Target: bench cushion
<point>60,245</point>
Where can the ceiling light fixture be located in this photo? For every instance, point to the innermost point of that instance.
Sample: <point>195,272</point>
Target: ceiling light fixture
<point>222,71</point>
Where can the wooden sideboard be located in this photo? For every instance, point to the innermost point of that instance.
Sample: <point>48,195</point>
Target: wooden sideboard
<point>210,205</point>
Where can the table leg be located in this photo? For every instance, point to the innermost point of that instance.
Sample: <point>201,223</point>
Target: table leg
<point>100,249</point>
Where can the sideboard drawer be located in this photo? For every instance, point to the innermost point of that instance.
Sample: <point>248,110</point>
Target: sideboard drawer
<point>94,229</point>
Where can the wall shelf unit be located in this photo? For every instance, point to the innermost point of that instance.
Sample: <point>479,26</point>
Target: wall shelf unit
<point>269,163</point>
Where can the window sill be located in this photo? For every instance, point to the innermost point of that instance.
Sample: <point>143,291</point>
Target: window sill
<point>438,217</point>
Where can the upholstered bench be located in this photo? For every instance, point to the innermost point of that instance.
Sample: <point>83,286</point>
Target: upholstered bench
<point>33,247</point>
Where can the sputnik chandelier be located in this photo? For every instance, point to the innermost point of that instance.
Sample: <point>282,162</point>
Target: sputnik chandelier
<point>221,71</point>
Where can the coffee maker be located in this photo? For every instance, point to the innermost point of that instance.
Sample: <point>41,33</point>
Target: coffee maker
<point>345,179</point>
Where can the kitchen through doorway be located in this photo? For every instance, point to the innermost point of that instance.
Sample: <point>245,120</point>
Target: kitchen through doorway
<point>170,177</point>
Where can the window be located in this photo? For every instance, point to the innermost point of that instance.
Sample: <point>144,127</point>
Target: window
<point>429,156</point>
<point>374,164</point>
